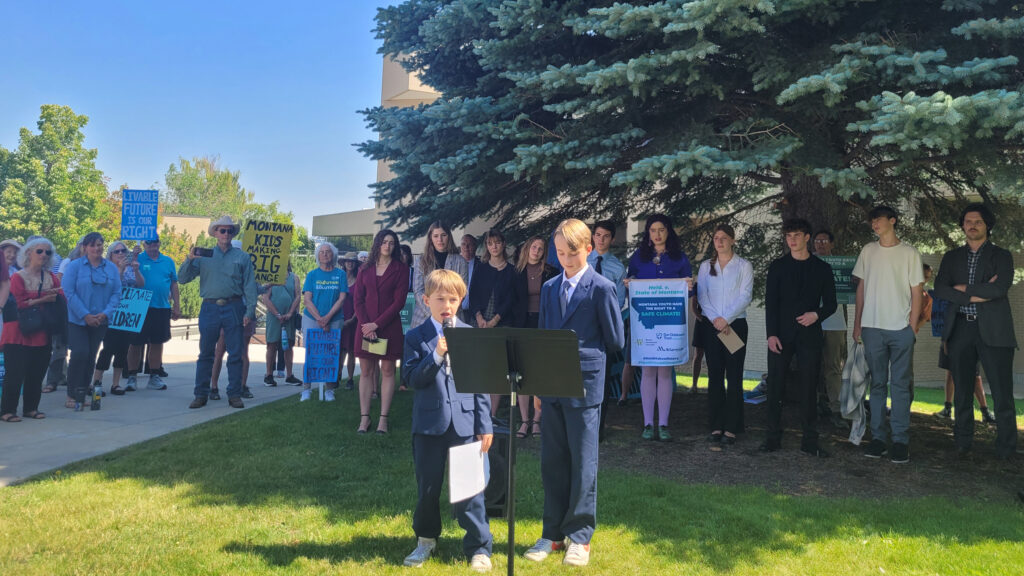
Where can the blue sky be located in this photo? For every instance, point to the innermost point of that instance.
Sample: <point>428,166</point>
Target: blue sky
<point>271,87</point>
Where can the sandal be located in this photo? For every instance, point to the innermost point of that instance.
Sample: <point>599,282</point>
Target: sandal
<point>521,434</point>
<point>37,415</point>
<point>49,388</point>
<point>70,403</point>
<point>116,390</point>
<point>536,428</point>
<point>363,429</point>
<point>383,431</point>
<point>10,418</point>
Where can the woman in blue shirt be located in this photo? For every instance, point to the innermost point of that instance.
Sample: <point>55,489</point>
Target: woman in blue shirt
<point>92,285</point>
<point>658,256</point>
<point>323,293</point>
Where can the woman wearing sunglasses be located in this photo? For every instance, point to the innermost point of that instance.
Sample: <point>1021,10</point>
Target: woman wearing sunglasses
<point>117,342</point>
<point>26,356</point>
<point>92,285</point>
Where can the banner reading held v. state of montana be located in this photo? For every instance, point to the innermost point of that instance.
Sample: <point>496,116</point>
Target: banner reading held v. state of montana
<point>657,322</point>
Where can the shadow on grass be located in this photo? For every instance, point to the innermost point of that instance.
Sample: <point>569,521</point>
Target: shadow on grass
<point>309,455</point>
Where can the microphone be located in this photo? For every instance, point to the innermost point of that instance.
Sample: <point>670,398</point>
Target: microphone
<point>449,322</point>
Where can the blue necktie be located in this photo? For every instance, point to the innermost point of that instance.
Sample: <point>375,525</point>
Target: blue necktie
<point>564,299</point>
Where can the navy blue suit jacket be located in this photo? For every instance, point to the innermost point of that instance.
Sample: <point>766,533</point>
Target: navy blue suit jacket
<point>593,313</point>
<point>436,403</point>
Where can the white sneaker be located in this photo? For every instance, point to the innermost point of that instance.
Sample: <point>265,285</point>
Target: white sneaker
<point>156,383</point>
<point>328,395</point>
<point>305,396</point>
<point>577,554</point>
<point>480,563</point>
<point>424,546</point>
<point>542,549</point>
<point>130,384</point>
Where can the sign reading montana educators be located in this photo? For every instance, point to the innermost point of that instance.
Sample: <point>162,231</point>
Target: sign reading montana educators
<point>269,245</point>
<point>139,209</point>
<point>131,311</point>
<point>842,272</point>
<point>323,348</point>
<point>657,322</point>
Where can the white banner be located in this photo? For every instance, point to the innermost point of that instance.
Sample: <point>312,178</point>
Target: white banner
<point>659,334</point>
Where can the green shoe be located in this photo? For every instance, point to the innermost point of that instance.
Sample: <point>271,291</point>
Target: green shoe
<point>648,433</point>
<point>663,434</point>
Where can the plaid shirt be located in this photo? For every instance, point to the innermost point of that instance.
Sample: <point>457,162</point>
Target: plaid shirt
<point>972,268</point>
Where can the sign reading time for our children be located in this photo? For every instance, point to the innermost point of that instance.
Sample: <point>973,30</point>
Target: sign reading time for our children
<point>269,244</point>
<point>139,209</point>
<point>323,349</point>
<point>657,322</point>
<point>130,313</point>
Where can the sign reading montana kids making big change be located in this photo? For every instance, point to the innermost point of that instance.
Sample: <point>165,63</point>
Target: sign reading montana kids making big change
<point>269,244</point>
<point>658,328</point>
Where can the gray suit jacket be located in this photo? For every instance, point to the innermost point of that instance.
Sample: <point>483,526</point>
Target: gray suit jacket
<point>455,263</point>
<point>995,320</point>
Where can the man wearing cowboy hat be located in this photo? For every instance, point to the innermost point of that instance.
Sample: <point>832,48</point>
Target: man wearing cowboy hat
<point>227,284</point>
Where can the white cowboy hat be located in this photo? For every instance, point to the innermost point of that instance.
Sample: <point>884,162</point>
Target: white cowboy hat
<point>224,221</point>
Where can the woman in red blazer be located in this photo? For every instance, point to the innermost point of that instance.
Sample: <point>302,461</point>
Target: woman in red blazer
<point>380,294</point>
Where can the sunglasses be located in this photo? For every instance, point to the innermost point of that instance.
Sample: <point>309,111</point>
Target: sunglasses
<point>225,230</point>
<point>41,251</point>
<point>153,243</point>
<point>120,251</point>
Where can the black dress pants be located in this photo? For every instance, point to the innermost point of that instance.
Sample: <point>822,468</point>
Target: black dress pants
<point>725,406</point>
<point>808,357</point>
<point>965,350</point>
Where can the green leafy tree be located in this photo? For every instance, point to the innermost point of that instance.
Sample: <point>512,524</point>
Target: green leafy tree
<point>49,184</point>
<point>741,110</point>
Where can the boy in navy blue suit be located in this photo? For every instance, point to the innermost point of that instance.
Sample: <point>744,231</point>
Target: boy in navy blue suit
<point>584,301</point>
<point>442,418</point>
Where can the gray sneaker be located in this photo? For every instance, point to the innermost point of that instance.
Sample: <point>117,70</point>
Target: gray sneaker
<point>156,383</point>
<point>424,546</point>
<point>131,384</point>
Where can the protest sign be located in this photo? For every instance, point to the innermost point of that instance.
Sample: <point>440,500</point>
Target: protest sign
<point>842,273</point>
<point>131,311</point>
<point>405,314</point>
<point>323,349</point>
<point>269,244</point>
<point>139,209</point>
<point>659,333</point>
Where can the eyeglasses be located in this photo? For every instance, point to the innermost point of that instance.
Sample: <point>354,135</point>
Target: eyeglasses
<point>98,276</point>
<point>825,241</point>
<point>41,251</point>
<point>153,243</point>
<point>119,251</point>
<point>225,230</point>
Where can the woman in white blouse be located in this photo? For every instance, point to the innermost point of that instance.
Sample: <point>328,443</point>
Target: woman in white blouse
<point>724,289</point>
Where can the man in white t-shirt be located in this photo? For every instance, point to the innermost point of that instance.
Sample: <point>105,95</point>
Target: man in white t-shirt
<point>888,295</point>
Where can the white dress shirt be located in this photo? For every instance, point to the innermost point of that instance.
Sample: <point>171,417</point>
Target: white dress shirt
<point>728,293</point>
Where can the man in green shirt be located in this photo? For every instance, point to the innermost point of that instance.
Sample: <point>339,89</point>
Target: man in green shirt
<point>227,284</point>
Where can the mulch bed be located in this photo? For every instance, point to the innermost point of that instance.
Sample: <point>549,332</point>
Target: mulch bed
<point>934,469</point>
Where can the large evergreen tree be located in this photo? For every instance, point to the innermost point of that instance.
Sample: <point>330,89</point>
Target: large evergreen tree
<point>753,110</point>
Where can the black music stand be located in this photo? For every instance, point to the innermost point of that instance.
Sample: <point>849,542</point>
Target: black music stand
<point>512,361</point>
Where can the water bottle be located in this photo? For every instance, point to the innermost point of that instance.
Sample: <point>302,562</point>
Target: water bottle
<point>97,395</point>
<point>284,338</point>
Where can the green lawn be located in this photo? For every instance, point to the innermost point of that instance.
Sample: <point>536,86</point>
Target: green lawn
<point>289,488</point>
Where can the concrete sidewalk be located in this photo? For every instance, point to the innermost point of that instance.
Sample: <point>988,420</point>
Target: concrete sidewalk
<point>30,447</point>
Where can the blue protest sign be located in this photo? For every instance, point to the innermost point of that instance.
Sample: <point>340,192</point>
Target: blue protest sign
<point>323,349</point>
<point>657,322</point>
<point>139,210</point>
<point>131,311</point>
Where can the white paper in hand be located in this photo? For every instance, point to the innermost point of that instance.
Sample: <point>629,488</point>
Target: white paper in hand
<point>465,472</point>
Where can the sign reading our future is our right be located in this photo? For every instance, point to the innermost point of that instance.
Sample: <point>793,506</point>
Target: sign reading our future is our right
<point>139,211</point>
<point>268,244</point>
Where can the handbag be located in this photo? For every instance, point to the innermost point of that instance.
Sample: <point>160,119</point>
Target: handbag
<point>35,319</point>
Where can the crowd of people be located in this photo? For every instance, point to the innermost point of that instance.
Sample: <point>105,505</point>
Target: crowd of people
<point>53,305</point>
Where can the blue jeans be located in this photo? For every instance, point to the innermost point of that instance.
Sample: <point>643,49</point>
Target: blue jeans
<point>213,319</point>
<point>890,353</point>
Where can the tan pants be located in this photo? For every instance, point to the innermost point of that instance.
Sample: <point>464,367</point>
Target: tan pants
<point>833,358</point>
